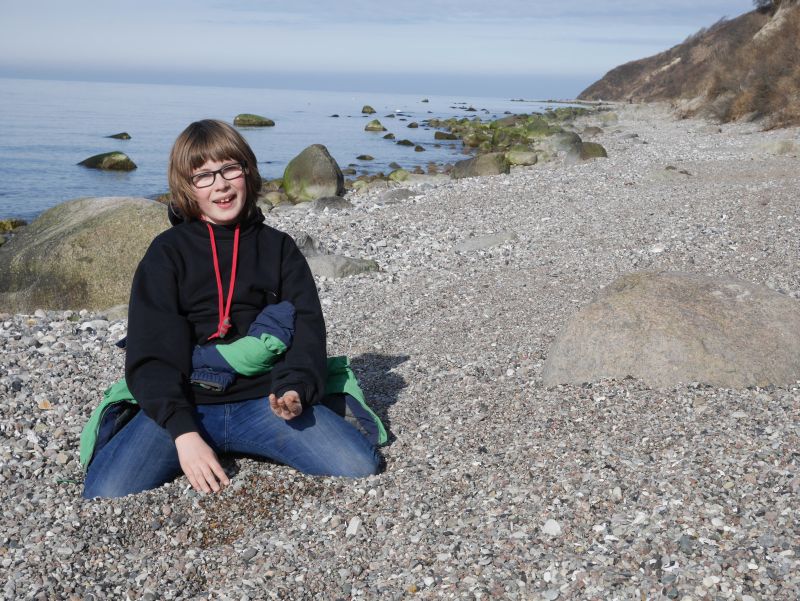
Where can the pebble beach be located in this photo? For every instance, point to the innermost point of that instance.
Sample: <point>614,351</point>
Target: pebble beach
<point>495,486</point>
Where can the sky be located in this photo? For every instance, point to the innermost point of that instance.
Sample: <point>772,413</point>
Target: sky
<point>518,48</point>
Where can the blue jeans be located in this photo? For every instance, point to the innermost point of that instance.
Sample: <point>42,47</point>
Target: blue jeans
<point>142,455</point>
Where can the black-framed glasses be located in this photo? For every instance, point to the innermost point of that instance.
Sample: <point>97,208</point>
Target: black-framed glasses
<point>229,172</point>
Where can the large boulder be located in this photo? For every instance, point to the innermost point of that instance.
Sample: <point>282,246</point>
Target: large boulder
<point>493,163</point>
<point>313,174</point>
<point>109,161</point>
<point>80,254</point>
<point>567,142</point>
<point>671,327</point>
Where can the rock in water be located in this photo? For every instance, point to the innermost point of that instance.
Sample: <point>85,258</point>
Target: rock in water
<point>250,120</point>
<point>123,135</point>
<point>374,125</point>
<point>80,254</point>
<point>313,174</point>
<point>671,327</point>
<point>492,163</point>
<point>110,161</point>
<point>367,109</point>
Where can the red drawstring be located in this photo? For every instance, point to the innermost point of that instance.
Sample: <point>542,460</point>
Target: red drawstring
<point>224,317</point>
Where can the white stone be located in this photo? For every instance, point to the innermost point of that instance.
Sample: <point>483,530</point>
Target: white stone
<point>552,528</point>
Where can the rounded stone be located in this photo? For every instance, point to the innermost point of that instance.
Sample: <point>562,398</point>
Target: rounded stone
<point>668,328</point>
<point>109,161</point>
<point>251,120</point>
<point>313,174</point>
<point>374,125</point>
<point>79,254</point>
<point>493,163</point>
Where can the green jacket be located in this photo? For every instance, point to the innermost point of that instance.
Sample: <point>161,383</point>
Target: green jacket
<point>341,379</point>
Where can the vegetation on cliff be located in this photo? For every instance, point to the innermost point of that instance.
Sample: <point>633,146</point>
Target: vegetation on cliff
<point>742,68</point>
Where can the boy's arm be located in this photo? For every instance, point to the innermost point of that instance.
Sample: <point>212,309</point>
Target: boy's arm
<point>304,366</point>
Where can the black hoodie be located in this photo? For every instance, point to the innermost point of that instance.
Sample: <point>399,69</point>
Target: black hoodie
<point>174,306</point>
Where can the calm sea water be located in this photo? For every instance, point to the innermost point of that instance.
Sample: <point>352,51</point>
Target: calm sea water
<point>46,127</point>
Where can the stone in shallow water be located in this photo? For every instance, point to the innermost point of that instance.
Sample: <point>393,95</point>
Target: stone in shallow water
<point>109,161</point>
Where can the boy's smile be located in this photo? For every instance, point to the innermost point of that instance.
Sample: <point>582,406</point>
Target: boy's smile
<point>223,201</point>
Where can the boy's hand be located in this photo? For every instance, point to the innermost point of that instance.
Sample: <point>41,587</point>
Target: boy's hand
<point>199,463</point>
<point>288,406</point>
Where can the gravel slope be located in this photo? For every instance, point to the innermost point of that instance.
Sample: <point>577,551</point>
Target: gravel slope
<point>495,486</point>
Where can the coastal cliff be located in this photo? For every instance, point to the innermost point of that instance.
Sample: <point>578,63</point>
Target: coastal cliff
<point>742,68</point>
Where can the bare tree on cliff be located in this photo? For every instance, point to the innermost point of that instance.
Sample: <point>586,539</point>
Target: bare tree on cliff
<point>764,6</point>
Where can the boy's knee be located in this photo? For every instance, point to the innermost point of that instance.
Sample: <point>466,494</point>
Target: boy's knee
<point>360,466</point>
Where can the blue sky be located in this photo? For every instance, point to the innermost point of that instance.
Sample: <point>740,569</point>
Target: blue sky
<point>505,47</point>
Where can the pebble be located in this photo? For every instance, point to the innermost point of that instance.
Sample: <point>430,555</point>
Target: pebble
<point>552,528</point>
<point>353,526</point>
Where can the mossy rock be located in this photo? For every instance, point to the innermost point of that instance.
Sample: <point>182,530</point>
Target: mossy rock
<point>123,135</point>
<point>367,109</point>
<point>274,198</point>
<point>251,120</point>
<point>419,148</point>
<point>567,113</point>
<point>80,254</point>
<point>270,185</point>
<point>493,163</point>
<point>505,137</point>
<point>313,174</point>
<point>522,157</point>
<point>564,141</point>
<point>443,135</point>
<point>413,125</point>
<point>374,125</point>
<point>399,175</point>
<point>592,150</point>
<point>509,121</point>
<point>109,161</point>
<point>365,157</point>
<point>389,136</point>
<point>405,143</point>
<point>7,225</point>
<point>473,139</point>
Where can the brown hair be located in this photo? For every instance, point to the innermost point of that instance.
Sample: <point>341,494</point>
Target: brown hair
<point>209,140</point>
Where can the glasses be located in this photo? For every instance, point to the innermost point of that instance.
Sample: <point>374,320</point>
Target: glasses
<point>228,172</point>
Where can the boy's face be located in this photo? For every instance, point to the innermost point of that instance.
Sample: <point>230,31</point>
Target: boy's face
<point>223,201</point>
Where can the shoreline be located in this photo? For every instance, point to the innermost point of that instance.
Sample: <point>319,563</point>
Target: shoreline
<point>685,491</point>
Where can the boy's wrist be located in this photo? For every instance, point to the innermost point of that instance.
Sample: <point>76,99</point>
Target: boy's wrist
<point>180,422</point>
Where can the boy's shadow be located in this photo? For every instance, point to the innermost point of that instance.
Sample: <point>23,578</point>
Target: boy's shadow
<point>380,384</point>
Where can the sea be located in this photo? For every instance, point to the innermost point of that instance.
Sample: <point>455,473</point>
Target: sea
<point>48,127</point>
